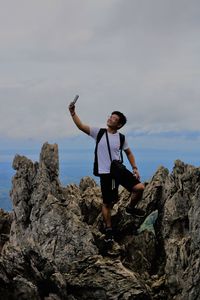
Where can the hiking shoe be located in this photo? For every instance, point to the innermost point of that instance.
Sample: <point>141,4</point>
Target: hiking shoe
<point>108,235</point>
<point>137,212</point>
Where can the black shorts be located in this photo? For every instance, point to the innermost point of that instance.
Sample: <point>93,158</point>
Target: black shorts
<point>110,194</point>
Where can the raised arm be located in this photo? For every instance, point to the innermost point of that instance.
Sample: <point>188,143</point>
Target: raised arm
<point>83,127</point>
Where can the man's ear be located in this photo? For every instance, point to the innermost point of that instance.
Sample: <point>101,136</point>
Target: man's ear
<point>119,126</point>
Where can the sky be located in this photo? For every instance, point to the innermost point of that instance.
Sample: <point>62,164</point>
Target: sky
<point>137,56</point>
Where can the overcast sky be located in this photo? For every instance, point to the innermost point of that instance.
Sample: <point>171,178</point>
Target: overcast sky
<point>137,56</point>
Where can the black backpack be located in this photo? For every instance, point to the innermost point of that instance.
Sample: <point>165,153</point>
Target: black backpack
<point>99,136</point>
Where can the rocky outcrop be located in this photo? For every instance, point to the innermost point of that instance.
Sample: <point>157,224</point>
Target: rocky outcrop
<point>53,245</point>
<point>5,224</point>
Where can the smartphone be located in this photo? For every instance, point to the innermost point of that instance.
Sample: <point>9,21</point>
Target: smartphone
<point>75,99</point>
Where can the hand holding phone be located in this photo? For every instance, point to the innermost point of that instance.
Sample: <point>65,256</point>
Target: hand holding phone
<point>75,99</point>
<point>72,105</point>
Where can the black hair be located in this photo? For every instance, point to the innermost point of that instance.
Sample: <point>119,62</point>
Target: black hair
<point>122,118</point>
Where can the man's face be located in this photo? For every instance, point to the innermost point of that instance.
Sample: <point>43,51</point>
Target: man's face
<point>113,121</point>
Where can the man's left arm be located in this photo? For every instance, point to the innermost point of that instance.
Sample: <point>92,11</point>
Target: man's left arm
<point>131,159</point>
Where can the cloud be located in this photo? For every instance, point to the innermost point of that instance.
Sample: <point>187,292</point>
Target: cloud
<point>141,57</point>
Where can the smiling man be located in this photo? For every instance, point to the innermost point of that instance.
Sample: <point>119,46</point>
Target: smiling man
<point>109,187</point>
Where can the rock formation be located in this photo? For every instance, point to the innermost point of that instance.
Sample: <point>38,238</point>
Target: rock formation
<point>52,243</point>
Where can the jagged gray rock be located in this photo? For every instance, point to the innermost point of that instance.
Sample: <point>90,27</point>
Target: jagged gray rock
<point>5,224</point>
<point>43,218</point>
<point>180,231</point>
<point>55,249</point>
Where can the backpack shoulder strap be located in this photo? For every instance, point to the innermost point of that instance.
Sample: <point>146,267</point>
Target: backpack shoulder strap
<point>100,134</point>
<point>122,140</point>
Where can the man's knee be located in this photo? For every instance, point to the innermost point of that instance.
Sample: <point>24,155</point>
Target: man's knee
<point>139,187</point>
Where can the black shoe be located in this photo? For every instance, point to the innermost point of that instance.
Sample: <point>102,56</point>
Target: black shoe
<point>137,212</point>
<point>108,235</point>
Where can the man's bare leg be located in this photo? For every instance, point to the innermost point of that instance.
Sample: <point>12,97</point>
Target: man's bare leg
<point>138,190</point>
<point>135,198</point>
<point>106,212</point>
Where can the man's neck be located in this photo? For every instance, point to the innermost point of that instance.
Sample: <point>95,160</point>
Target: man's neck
<point>111,130</point>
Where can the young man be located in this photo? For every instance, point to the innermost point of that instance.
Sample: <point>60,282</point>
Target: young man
<point>131,183</point>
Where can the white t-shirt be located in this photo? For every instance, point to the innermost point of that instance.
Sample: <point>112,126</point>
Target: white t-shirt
<point>102,150</point>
